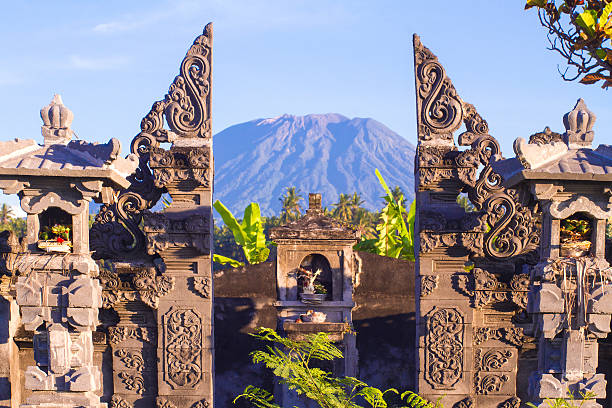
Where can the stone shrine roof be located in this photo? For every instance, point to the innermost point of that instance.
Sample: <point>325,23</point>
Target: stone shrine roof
<point>60,156</point>
<point>315,225</point>
<point>552,156</point>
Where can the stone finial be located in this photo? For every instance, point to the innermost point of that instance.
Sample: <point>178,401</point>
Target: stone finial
<point>314,203</point>
<point>579,126</point>
<point>56,121</point>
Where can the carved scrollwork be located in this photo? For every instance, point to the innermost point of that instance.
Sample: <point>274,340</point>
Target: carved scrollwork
<point>131,359</point>
<point>115,233</point>
<point>428,284</point>
<point>511,335</point>
<point>183,348</point>
<point>117,334</point>
<point>491,359</point>
<point>133,382</point>
<point>485,384</point>
<point>513,402</point>
<point>545,137</point>
<point>151,287</point>
<point>444,347</point>
<point>440,108</point>
<point>467,402</point>
<point>118,402</point>
<point>163,403</point>
<point>201,285</point>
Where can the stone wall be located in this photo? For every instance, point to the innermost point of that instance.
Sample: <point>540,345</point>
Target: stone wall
<point>383,318</point>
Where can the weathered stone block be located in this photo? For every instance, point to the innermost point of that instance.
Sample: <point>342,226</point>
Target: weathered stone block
<point>29,291</point>
<point>599,324</point>
<point>600,301</point>
<point>81,318</point>
<point>33,317</point>
<point>84,292</point>
<point>60,353</point>
<point>83,379</point>
<point>37,379</point>
<point>548,299</point>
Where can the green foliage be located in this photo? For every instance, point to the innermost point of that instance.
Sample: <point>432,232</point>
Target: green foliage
<point>9,223</point>
<point>464,202</point>
<point>291,207</point>
<point>292,362</point>
<point>581,32</point>
<point>249,234</point>
<point>395,228</point>
<point>569,402</point>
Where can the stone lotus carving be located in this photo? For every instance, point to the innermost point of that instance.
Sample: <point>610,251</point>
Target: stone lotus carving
<point>579,126</point>
<point>183,348</point>
<point>444,347</point>
<point>115,233</point>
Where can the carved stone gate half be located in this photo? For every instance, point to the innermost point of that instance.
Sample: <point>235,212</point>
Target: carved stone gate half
<point>492,279</point>
<point>157,287</point>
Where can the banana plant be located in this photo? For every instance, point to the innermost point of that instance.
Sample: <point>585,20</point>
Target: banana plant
<point>395,235</point>
<point>249,235</point>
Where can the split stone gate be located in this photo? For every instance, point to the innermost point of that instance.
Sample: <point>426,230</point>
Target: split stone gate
<point>503,313</point>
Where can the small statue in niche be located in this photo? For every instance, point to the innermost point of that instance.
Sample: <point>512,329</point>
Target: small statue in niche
<point>311,291</point>
<point>575,236</point>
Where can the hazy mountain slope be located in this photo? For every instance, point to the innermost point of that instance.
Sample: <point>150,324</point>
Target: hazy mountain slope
<point>329,154</point>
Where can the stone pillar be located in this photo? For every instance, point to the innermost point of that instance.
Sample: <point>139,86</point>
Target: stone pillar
<point>181,235</point>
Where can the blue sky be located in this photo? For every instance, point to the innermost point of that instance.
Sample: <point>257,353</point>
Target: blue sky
<point>110,60</point>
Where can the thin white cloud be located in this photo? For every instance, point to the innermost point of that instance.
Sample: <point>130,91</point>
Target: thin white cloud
<point>97,63</point>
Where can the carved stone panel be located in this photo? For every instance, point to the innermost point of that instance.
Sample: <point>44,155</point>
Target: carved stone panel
<point>182,348</point>
<point>444,347</point>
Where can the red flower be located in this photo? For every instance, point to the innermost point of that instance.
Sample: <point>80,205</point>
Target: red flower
<point>60,240</point>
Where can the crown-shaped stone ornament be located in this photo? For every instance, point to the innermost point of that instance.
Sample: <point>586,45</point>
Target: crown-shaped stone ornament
<point>579,126</point>
<point>56,122</point>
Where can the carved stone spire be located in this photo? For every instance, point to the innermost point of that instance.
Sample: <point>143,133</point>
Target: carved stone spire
<point>56,122</point>
<point>314,203</point>
<point>579,126</point>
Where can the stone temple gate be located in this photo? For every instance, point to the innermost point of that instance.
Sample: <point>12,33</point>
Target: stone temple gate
<point>513,294</point>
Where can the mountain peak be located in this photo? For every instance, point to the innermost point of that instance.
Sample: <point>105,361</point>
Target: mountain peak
<point>326,153</point>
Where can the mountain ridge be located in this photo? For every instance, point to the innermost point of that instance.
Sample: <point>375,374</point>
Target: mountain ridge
<point>256,161</point>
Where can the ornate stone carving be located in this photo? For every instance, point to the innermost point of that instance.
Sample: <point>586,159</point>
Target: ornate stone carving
<point>151,287</point>
<point>467,402</point>
<point>133,382</point>
<point>511,335</point>
<point>118,402</point>
<point>438,106</point>
<point>180,164</point>
<point>533,156</point>
<point>163,232</point>
<point>485,384</point>
<point>117,334</point>
<point>201,285</point>
<point>545,137</point>
<point>200,404</point>
<point>579,126</point>
<point>513,402</point>
<point>163,403</point>
<point>428,284</point>
<point>186,108</point>
<point>444,347</point>
<point>183,347</point>
<point>131,359</point>
<point>491,359</point>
